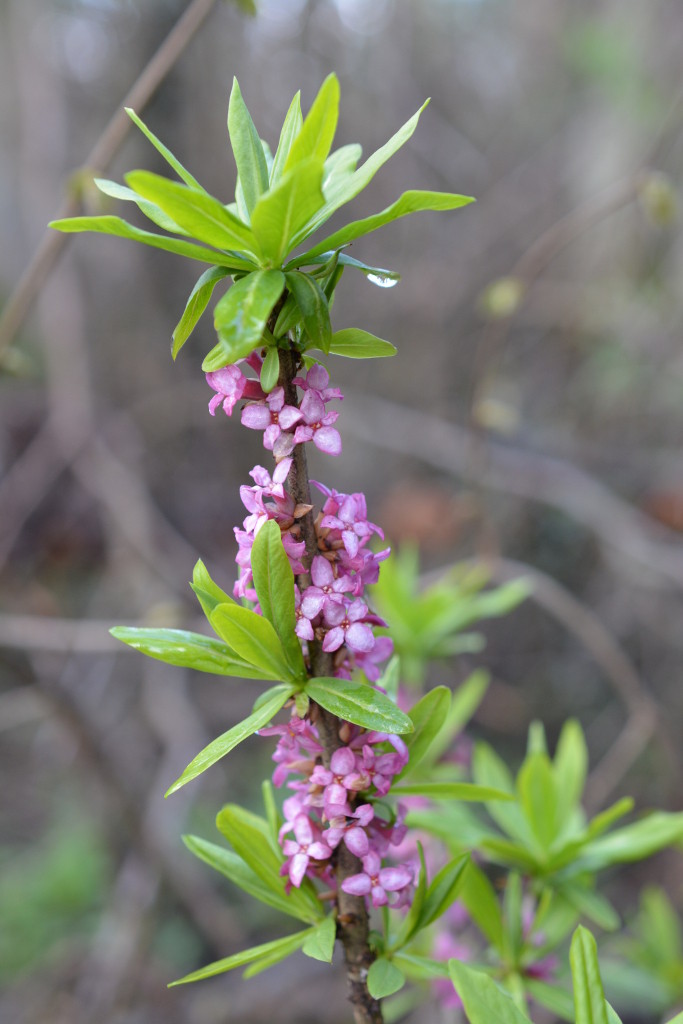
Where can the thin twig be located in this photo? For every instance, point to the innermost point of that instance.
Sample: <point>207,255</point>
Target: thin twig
<point>98,159</point>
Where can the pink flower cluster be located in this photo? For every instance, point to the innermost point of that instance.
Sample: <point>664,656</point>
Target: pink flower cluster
<point>283,426</point>
<point>332,805</point>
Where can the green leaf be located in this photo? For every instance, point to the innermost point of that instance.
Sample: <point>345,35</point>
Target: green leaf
<point>378,276</point>
<point>536,785</point>
<point>356,344</point>
<point>384,978</point>
<point>484,1001</point>
<point>288,318</point>
<point>570,767</point>
<point>314,138</point>
<point>253,638</point>
<point>290,129</point>
<point>451,791</point>
<point>443,891</point>
<point>168,156</point>
<point>150,210</point>
<point>339,167</point>
<point>273,951</point>
<point>590,1006</point>
<point>358,703</point>
<point>233,867</point>
<point>188,650</point>
<point>489,770</point>
<point>270,370</point>
<point>250,836</point>
<point>281,212</point>
<point>420,968</point>
<point>209,594</point>
<point>552,998</point>
<point>122,229</point>
<point>241,316</point>
<point>198,213</point>
<point>312,302</point>
<point>464,702</point>
<point>320,943</point>
<point>636,841</point>
<point>274,583</point>
<point>225,743</point>
<point>479,896</point>
<point>428,717</point>
<point>591,904</point>
<point>199,299</point>
<point>247,148</point>
<point>413,201</point>
<point>345,187</point>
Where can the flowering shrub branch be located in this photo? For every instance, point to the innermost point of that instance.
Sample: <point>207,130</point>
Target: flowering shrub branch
<point>360,773</point>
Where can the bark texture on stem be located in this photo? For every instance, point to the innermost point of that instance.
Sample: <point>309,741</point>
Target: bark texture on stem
<point>352,915</point>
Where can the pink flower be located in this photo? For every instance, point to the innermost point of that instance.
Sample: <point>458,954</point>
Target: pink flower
<point>275,419</point>
<point>305,847</point>
<point>317,380</point>
<point>348,627</point>
<point>230,385</point>
<point>376,881</point>
<point>317,425</point>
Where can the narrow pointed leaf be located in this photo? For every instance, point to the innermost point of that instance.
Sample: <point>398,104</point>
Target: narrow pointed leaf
<point>464,702</point>
<point>345,188</point>
<point>636,841</point>
<point>356,344</point>
<point>253,638</point>
<point>200,296</point>
<point>274,583</point>
<point>451,791</point>
<point>225,743</point>
<point>251,838</point>
<point>315,311</point>
<point>320,943</point>
<point>198,213</point>
<point>188,650</point>
<point>122,229</point>
<point>590,1006</point>
<point>314,139</point>
<point>270,370</point>
<point>591,904</point>
<point>552,998</point>
<point>570,766</point>
<point>428,717</point>
<point>480,898</point>
<point>359,704</point>
<point>384,978</point>
<point>290,129</point>
<point>241,316</point>
<point>280,213</point>
<point>413,201</point>
<point>490,770</point>
<point>168,156</point>
<point>443,890</point>
<point>238,871</point>
<point>150,210</point>
<point>339,166</point>
<point>209,594</point>
<point>538,794</point>
<point>484,1001</point>
<point>268,950</point>
<point>247,149</point>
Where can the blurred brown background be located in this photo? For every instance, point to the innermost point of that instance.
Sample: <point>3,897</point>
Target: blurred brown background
<point>549,437</point>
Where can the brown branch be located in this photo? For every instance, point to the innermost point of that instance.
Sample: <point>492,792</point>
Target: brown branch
<point>100,156</point>
<point>352,916</point>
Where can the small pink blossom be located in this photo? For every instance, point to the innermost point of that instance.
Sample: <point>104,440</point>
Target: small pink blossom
<point>348,626</point>
<point>378,882</point>
<point>306,846</point>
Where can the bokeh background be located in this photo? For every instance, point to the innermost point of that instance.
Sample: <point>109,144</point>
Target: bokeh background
<point>532,417</point>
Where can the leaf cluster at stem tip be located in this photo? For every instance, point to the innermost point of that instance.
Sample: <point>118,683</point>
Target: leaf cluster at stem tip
<point>261,239</point>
